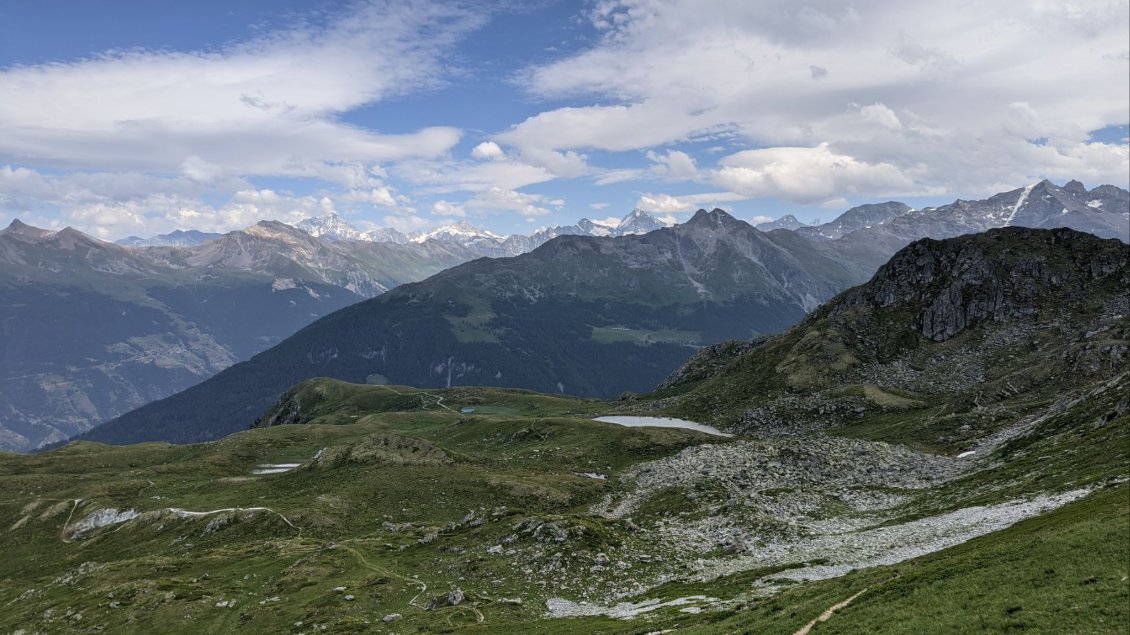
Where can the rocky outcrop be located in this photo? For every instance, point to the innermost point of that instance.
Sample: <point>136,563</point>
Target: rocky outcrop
<point>1013,272</point>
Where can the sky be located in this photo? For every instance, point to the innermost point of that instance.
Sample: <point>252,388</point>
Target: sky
<point>136,118</point>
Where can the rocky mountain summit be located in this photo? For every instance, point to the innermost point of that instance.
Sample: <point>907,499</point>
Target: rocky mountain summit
<point>788,221</point>
<point>862,217</point>
<point>999,276</point>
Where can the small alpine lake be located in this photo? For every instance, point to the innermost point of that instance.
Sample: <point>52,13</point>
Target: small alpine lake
<point>662,422</point>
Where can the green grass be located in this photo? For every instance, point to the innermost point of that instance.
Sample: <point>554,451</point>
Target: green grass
<point>643,337</point>
<point>392,505</point>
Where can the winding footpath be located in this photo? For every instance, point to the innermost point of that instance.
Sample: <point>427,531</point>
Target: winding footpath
<point>827,614</point>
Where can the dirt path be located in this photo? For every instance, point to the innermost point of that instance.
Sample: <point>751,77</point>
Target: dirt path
<point>67,522</point>
<point>372,567</point>
<point>422,393</point>
<point>184,512</point>
<point>836,607</point>
<point>478,614</point>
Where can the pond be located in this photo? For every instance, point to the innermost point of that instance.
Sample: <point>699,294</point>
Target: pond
<point>662,422</point>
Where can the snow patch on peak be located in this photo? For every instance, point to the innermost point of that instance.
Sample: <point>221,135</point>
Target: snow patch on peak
<point>1020,202</point>
<point>330,226</point>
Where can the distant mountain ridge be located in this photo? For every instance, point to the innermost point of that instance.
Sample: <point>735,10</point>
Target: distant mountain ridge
<point>90,329</point>
<point>178,238</point>
<point>334,228</point>
<point>1103,211</point>
<point>57,387</point>
<point>581,315</point>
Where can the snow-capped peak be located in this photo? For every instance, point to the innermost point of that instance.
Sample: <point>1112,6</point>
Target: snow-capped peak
<point>638,222</point>
<point>461,232</point>
<point>330,226</point>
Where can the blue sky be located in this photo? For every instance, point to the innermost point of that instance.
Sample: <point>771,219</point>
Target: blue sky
<point>127,118</point>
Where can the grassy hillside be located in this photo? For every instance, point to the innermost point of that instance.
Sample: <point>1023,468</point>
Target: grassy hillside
<point>396,493</point>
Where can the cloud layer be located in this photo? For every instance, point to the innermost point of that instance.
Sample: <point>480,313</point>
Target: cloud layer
<point>667,104</point>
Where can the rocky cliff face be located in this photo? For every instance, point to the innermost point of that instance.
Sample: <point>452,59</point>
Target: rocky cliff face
<point>1004,273</point>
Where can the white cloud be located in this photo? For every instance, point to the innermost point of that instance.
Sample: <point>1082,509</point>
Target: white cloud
<point>760,219</point>
<point>442,176</point>
<point>880,114</point>
<point>382,196</point>
<point>667,204</point>
<point>936,85</point>
<point>487,150</point>
<point>406,224</point>
<point>612,128</point>
<point>496,198</point>
<point>808,102</point>
<point>598,205</point>
<point>674,165</point>
<point>443,208</point>
<point>268,106</point>
<point>806,174</point>
<point>112,205</point>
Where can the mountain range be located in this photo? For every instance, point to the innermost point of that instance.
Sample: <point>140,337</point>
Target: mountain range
<point>333,227</point>
<point>579,315</point>
<point>53,391</point>
<point>1102,211</point>
<point>940,449</point>
<point>91,329</point>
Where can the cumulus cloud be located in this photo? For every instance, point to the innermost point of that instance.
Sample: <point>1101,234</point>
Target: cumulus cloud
<point>878,113</point>
<point>760,218</point>
<point>668,204</point>
<point>499,199</point>
<point>810,102</point>
<point>487,150</point>
<point>111,205</point>
<point>382,196</point>
<point>806,174</point>
<point>445,176</point>
<point>935,87</point>
<point>674,164</point>
<point>443,208</point>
